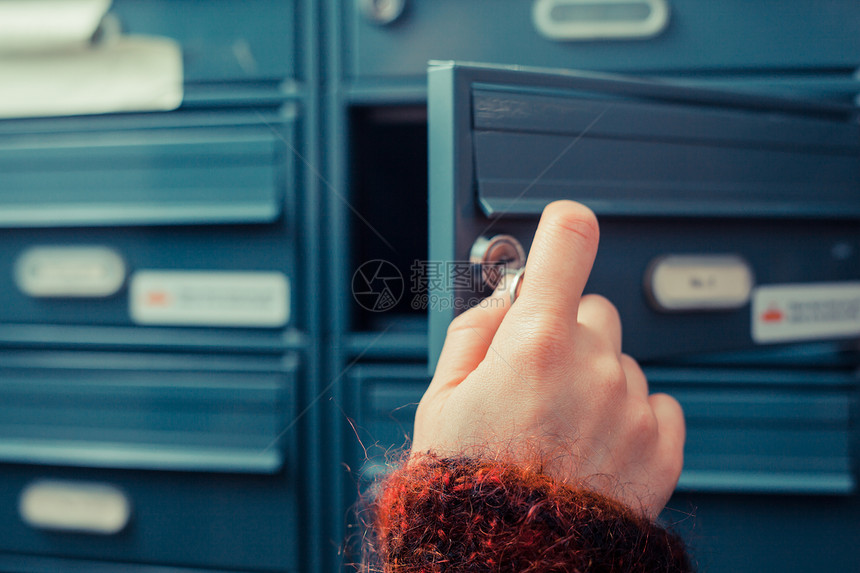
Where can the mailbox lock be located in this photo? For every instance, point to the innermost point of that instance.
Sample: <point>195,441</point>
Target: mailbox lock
<point>497,256</point>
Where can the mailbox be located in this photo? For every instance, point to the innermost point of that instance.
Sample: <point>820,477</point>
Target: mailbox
<point>728,221</point>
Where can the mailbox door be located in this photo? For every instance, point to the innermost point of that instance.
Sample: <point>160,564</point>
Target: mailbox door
<point>728,221</point>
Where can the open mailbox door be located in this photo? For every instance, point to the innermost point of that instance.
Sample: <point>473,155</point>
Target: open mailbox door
<point>728,221</point>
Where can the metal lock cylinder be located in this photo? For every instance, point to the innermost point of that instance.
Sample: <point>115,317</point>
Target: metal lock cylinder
<point>501,260</point>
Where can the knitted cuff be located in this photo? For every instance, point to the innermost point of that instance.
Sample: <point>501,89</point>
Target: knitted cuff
<point>462,514</point>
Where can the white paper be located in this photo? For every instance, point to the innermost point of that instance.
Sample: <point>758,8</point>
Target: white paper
<point>133,73</point>
<point>49,65</point>
<point>27,25</point>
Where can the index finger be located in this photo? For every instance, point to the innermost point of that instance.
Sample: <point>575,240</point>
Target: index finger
<point>560,260</point>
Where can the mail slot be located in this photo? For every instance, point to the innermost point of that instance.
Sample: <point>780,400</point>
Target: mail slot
<point>728,221</point>
<point>150,411</point>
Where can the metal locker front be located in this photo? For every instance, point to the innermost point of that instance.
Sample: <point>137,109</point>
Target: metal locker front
<point>721,213</point>
<point>158,339</point>
<point>162,458</point>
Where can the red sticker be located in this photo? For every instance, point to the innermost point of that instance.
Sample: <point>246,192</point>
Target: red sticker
<point>772,314</point>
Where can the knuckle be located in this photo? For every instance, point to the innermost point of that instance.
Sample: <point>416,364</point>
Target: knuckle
<point>611,381</point>
<point>603,303</point>
<point>670,412</point>
<point>643,422</point>
<point>628,362</point>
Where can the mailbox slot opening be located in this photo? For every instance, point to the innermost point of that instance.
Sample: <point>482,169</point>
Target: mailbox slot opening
<point>388,219</point>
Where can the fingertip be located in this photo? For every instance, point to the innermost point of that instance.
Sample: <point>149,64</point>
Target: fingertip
<point>573,216</point>
<point>567,204</point>
<point>560,259</point>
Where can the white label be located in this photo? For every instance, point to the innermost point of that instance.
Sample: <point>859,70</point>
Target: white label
<point>703,282</point>
<point>784,313</point>
<point>201,298</point>
<point>80,272</point>
<point>600,19</point>
<point>69,506</point>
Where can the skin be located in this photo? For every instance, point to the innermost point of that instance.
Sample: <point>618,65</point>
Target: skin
<point>543,382</point>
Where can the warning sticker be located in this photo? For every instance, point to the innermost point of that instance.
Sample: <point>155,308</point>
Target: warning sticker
<point>795,312</point>
<point>217,298</point>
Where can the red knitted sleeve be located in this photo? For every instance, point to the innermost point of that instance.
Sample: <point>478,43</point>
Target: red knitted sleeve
<point>462,514</point>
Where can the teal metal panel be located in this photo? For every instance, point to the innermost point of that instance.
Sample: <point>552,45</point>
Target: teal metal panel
<point>700,36</point>
<point>182,191</point>
<point>195,520</point>
<point>146,411</point>
<point>676,157</point>
<point>768,431</point>
<point>222,40</point>
<point>238,168</point>
<point>199,427</point>
<point>794,534</point>
<point>204,448</point>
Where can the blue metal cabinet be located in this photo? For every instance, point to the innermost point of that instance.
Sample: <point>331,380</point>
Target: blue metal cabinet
<point>766,187</point>
<point>217,481</point>
<point>696,36</point>
<point>180,194</point>
<point>223,41</point>
<point>191,422</point>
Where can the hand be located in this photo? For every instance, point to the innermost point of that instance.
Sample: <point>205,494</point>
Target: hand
<point>543,382</point>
